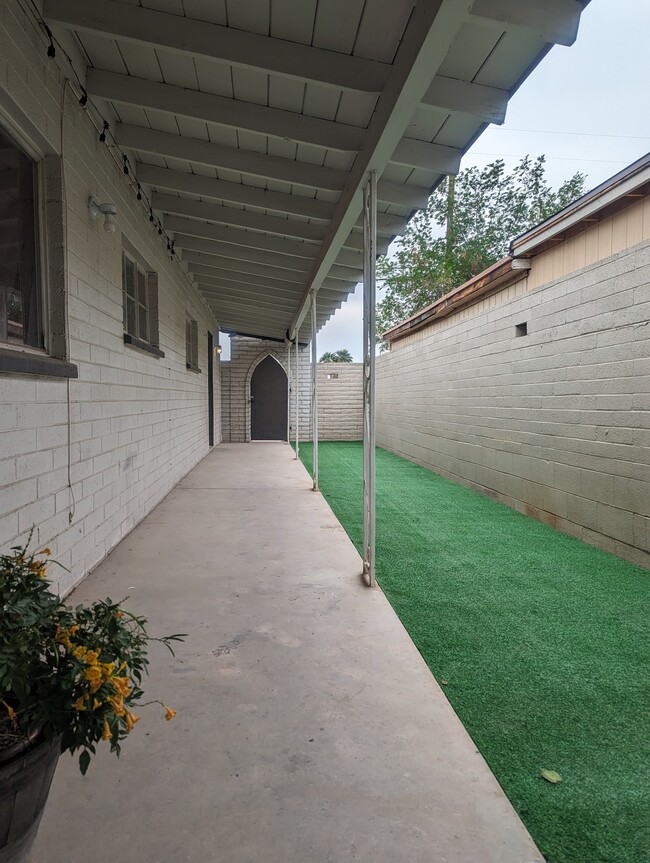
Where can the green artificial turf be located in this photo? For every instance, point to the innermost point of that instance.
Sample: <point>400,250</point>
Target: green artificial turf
<point>541,640</point>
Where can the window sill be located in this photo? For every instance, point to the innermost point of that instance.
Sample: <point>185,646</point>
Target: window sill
<point>193,368</point>
<point>140,345</point>
<point>15,361</point>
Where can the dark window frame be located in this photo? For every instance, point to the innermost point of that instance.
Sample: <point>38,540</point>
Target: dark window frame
<point>50,357</point>
<point>192,344</point>
<point>139,303</point>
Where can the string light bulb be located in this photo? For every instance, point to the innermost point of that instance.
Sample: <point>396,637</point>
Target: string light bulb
<point>102,136</point>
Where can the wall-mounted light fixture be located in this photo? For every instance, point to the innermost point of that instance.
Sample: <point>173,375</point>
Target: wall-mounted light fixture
<point>217,349</point>
<point>521,263</point>
<point>107,210</point>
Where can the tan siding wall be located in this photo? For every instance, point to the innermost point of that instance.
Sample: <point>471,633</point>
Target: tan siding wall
<point>557,423</point>
<point>615,234</point>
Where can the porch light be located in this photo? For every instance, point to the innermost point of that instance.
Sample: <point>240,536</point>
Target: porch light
<point>217,349</point>
<point>107,210</point>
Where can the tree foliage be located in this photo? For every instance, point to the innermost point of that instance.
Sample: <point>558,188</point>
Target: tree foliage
<point>490,207</point>
<point>343,355</point>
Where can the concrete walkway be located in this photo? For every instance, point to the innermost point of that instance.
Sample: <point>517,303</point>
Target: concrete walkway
<point>309,729</point>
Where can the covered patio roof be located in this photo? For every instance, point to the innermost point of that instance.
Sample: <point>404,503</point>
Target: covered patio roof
<point>255,124</point>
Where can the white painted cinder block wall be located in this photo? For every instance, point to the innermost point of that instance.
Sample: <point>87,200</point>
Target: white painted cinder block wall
<point>555,423</point>
<point>340,399</point>
<point>138,423</point>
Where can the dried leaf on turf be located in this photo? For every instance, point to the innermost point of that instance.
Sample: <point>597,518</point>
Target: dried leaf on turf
<point>551,776</point>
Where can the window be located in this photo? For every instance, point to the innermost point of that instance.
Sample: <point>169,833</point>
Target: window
<point>521,329</point>
<point>140,297</point>
<point>192,344</point>
<point>33,325</point>
<point>21,302</point>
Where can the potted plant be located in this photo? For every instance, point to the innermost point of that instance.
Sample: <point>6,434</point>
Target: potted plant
<point>70,678</point>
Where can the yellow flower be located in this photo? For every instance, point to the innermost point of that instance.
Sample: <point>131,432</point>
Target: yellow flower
<point>10,711</point>
<point>106,733</point>
<point>44,551</point>
<point>79,703</point>
<point>97,703</point>
<point>169,713</point>
<point>130,719</point>
<point>107,668</point>
<point>92,656</point>
<point>118,706</point>
<point>94,676</point>
<point>121,685</point>
<point>79,652</point>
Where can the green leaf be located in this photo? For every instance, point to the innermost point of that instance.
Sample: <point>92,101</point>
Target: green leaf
<point>84,761</point>
<point>551,776</point>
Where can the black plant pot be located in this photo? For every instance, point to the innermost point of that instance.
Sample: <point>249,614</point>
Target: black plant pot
<point>24,785</point>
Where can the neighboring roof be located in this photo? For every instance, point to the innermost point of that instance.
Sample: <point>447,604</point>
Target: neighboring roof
<point>598,204</point>
<point>467,293</point>
<point>255,125</point>
<point>614,194</point>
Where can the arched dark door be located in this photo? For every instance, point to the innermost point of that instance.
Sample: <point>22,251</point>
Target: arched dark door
<point>269,401</point>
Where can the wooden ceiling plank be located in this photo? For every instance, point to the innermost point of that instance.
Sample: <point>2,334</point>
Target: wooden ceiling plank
<point>240,218</point>
<point>222,44</point>
<point>284,264</point>
<point>414,197</point>
<point>223,111</point>
<point>197,184</point>
<point>555,21</point>
<point>245,238</point>
<point>486,103</point>
<point>421,154</point>
<point>245,161</point>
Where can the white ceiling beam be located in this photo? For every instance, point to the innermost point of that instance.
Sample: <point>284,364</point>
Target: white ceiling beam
<point>278,123</point>
<point>223,190</point>
<point>245,239</point>
<point>216,155</point>
<point>431,157</point>
<point>402,194</point>
<point>387,224</point>
<point>246,267</point>
<point>222,270</point>
<point>348,258</point>
<point>267,303</point>
<point>224,44</point>
<point>250,312</point>
<point>240,218</point>
<point>271,260</point>
<point>246,289</point>
<point>556,21</point>
<point>429,34</point>
<point>354,240</point>
<point>450,94</point>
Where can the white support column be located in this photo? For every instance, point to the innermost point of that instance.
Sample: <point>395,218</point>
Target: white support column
<point>297,398</point>
<point>314,393</point>
<point>369,260</point>
<point>289,388</point>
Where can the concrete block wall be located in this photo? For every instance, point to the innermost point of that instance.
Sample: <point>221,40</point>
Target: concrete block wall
<point>236,373</point>
<point>555,423</point>
<point>340,401</point>
<point>85,460</point>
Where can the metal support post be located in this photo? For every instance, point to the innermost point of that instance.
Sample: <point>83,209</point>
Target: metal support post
<point>289,388</point>
<point>314,393</point>
<point>297,399</point>
<point>369,261</point>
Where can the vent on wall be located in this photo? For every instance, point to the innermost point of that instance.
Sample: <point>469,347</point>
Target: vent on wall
<point>521,329</point>
<point>332,376</point>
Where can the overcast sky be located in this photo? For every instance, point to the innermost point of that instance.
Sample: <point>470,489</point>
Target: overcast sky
<point>585,107</point>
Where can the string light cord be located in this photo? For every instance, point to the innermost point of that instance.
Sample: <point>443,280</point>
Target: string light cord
<point>101,124</point>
